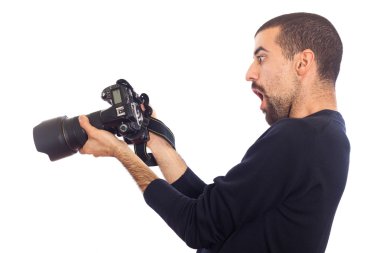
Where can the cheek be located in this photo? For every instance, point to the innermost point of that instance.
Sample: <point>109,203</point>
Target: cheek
<point>279,80</point>
<point>273,80</point>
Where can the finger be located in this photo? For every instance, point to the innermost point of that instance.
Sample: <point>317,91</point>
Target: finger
<point>154,115</point>
<point>81,151</point>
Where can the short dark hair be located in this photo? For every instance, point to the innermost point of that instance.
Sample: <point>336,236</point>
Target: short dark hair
<point>300,31</point>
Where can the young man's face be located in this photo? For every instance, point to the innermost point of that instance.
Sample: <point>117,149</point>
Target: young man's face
<point>273,77</point>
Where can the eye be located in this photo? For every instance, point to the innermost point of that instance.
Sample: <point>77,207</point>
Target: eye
<point>260,58</point>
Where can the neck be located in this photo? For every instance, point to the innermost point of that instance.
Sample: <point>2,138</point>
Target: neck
<point>310,101</point>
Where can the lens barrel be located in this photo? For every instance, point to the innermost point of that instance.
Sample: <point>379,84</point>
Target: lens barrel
<point>61,137</point>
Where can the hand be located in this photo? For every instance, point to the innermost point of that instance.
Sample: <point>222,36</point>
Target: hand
<point>170,162</point>
<point>100,142</point>
<point>154,140</point>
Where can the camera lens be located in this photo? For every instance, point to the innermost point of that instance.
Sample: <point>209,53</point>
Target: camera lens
<point>57,137</point>
<point>62,136</point>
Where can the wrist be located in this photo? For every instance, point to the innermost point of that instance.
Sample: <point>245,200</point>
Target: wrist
<point>157,143</point>
<point>120,148</point>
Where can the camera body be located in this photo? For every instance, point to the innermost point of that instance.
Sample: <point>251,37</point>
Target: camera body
<point>60,137</point>
<point>125,116</point>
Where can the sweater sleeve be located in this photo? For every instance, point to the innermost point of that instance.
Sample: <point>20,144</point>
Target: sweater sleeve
<point>244,194</point>
<point>189,184</point>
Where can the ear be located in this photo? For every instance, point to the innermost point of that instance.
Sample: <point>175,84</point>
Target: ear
<point>304,62</point>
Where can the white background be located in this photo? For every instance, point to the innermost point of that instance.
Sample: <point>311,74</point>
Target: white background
<point>190,57</point>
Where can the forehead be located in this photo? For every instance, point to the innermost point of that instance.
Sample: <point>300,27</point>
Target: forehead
<point>267,39</point>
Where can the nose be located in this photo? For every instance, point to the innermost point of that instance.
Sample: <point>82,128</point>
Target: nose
<point>252,73</point>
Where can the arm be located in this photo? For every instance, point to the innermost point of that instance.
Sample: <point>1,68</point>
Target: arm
<point>214,215</point>
<point>171,164</point>
<point>103,143</point>
<point>249,191</point>
<point>174,168</point>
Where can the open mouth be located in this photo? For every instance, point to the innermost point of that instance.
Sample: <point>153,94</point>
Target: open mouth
<point>261,95</point>
<point>258,93</point>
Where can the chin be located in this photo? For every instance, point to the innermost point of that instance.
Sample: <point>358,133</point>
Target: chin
<point>270,120</point>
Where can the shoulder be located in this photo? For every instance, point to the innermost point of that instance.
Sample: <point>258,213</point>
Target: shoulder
<point>288,131</point>
<point>322,122</point>
<point>281,141</point>
<point>302,133</point>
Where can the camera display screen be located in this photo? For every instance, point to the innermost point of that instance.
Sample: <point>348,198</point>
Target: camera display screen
<point>116,96</point>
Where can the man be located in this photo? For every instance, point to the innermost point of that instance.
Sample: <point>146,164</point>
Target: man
<point>283,195</point>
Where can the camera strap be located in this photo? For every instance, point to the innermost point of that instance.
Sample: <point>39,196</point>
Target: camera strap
<point>157,127</point>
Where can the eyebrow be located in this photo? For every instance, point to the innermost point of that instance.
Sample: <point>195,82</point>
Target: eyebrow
<point>260,49</point>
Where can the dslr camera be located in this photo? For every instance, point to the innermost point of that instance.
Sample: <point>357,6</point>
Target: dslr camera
<point>62,136</point>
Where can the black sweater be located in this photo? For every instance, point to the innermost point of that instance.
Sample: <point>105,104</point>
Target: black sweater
<point>282,197</point>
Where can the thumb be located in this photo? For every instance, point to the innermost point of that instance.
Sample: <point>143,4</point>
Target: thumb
<point>85,123</point>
